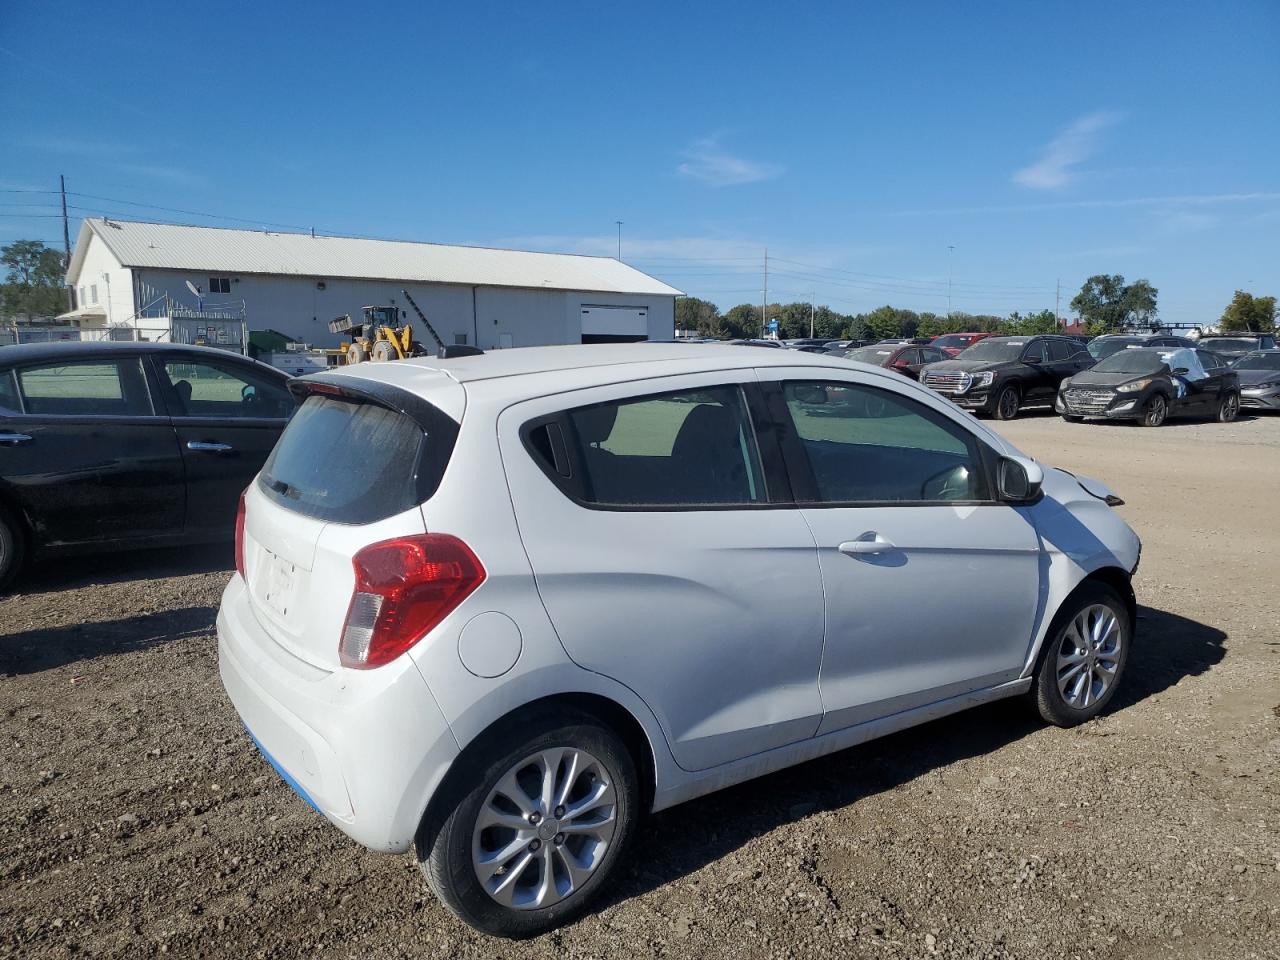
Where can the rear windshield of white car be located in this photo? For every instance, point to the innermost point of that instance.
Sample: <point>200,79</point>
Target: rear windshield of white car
<point>347,462</point>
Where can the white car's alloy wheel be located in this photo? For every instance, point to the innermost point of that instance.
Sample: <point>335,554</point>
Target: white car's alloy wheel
<point>544,829</point>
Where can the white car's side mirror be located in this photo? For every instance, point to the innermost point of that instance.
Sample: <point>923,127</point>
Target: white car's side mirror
<point>1019,479</point>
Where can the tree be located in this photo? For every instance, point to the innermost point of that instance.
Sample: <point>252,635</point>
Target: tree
<point>701,316</point>
<point>1106,303</point>
<point>1025,326</point>
<point>33,285</point>
<point>1247,312</point>
<point>883,322</point>
<point>743,321</point>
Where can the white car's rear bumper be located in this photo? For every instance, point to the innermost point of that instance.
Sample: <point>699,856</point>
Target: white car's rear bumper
<point>364,747</point>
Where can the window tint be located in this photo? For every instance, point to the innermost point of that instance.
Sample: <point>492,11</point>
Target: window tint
<point>1034,353</point>
<point>1209,360</point>
<point>1060,350</point>
<point>910,356</point>
<point>930,355</point>
<point>687,447</point>
<point>867,446</point>
<point>8,393</point>
<point>85,389</point>
<point>346,462</point>
<point>221,390</point>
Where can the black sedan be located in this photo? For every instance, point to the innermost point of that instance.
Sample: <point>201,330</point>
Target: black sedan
<point>1151,384</point>
<point>106,446</point>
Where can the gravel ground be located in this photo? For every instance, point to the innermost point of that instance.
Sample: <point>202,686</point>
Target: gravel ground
<point>136,819</point>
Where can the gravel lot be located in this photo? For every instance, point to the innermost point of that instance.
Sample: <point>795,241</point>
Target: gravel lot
<point>136,818</point>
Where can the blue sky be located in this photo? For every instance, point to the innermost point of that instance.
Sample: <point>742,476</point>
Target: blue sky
<point>858,142</point>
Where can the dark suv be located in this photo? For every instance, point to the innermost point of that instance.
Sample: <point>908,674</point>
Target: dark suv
<point>1002,375</point>
<point>1235,344</point>
<point>1104,346</point>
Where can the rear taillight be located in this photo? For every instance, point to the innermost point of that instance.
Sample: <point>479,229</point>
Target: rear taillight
<point>240,536</point>
<point>404,588</point>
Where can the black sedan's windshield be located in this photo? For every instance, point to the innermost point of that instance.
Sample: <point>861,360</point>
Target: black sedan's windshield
<point>1104,348</point>
<point>1130,361</point>
<point>1259,361</point>
<point>992,349</point>
<point>877,355</point>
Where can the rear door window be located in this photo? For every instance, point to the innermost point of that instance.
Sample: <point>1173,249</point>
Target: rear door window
<point>1060,350</point>
<point>348,462</point>
<point>225,391</point>
<point>88,388</point>
<point>690,447</point>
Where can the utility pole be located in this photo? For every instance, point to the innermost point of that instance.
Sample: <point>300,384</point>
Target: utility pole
<point>764,307</point>
<point>619,223</point>
<point>951,258</point>
<point>813,296</point>
<point>1057,299</point>
<point>66,240</point>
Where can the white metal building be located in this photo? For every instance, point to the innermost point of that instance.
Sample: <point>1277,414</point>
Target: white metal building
<point>129,274</point>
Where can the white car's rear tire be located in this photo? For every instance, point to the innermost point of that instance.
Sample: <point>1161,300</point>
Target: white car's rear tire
<point>538,819</point>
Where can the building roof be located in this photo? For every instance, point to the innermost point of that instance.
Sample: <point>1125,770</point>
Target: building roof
<point>165,246</point>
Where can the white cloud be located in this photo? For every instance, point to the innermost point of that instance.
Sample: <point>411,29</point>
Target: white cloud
<point>706,161</point>
<point>1070,148</point>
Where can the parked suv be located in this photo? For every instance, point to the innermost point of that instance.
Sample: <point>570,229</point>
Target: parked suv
<point>497,607</point>
<point>1104,346</point>
<point>1151,384</point>
<point>1002,375</point>
<point>1234,345</point>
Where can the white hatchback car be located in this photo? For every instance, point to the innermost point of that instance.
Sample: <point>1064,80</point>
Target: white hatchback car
<point>500,606</point>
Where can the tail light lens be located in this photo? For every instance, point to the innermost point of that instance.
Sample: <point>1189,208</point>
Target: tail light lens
<point>404,588</point>
<point>240,536</point>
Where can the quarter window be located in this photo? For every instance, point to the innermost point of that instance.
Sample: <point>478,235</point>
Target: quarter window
<point>669,449</point>
<point>9,394</point>
<point>205,390</point>
<point>91,388</point>
<point>865,445</point>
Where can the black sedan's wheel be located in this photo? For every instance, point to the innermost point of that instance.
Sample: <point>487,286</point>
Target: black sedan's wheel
<point>1155,412</point>
<point>1228,408</point>
<point>1084,657</point>
<point>550,807</point>
<point>11,548</point>
<point>1008,401</point>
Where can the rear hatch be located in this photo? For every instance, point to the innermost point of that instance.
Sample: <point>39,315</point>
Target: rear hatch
<point>352,468</point>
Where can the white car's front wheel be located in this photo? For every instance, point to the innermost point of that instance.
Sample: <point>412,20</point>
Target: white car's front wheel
<point>540,826</point>
<point>1084,657</point>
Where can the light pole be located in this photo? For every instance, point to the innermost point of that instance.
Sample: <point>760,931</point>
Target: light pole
<point>619,223</point>
<point>951,257</point>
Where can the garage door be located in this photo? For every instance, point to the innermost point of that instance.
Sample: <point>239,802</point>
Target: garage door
<point>605,324</point>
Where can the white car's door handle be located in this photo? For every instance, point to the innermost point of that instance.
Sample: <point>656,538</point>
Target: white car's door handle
<point>857,548</point>
<point>204,446</point>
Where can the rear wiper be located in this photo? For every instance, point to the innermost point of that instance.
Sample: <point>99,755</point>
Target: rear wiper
<point>282,488</point>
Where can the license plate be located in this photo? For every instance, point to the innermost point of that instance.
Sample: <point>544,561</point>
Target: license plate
<point>278,588</point>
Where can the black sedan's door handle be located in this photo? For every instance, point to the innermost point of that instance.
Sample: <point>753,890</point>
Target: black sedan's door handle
<point>13,439</point>
<point>206,446</point>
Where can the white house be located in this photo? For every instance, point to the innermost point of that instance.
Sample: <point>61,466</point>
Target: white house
<point>137,275</point>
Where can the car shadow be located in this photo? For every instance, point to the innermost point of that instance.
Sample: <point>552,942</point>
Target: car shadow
<point>686,838</point>
<point>66,573</point>
<point>32,651</point>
